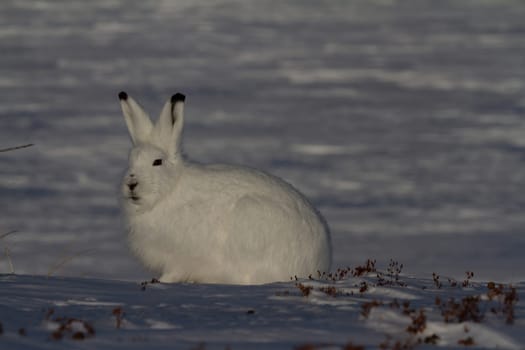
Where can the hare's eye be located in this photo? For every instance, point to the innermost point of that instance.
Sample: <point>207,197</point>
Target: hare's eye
<point>157,162</point>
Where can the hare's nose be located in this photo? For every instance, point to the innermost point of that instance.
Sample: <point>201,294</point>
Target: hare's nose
<point>132,185</point>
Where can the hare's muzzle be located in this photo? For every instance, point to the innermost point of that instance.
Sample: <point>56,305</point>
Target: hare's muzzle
<point>132,185</point>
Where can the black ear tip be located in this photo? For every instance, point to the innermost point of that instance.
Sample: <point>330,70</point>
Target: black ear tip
<point>122,96</point>
<point>178,97</point>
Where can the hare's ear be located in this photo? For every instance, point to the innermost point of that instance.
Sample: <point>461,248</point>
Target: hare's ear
<point>171,122</point>
<point>138,122</point>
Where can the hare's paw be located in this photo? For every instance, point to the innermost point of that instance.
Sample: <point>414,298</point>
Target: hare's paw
<point>173,277</point>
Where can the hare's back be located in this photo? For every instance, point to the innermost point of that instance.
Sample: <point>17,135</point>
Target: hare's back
<point>246,180</point>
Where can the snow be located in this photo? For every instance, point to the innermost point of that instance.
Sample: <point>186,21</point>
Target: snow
<point>120,314</point>
<point>402,121</point>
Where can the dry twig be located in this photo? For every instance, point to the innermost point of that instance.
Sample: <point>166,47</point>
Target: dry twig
<point>15,148</point>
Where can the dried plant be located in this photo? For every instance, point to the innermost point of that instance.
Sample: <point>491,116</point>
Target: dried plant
<point>305,290</point>
<point>145,283</point>
<point>15,148</point>
<point>435,278</point>
<point>466,309</point>
<point>466,342</point>
<point>366,307</point>
<point>392,277</point>
<point>7,252</point>
<point>118,312</point>
<point>506,299</point>
<point>76,329</point>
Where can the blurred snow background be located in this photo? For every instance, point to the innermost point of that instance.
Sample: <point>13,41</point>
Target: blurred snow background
<point>403,121</point>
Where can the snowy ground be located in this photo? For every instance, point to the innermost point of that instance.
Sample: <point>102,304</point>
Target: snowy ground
<point>366,312</point>
<point>401,120</point>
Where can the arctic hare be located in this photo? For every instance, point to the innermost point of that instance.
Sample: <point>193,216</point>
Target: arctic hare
<point>212,223</point>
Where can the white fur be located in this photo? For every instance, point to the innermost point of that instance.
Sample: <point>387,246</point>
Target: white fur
<point>213,223</point>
